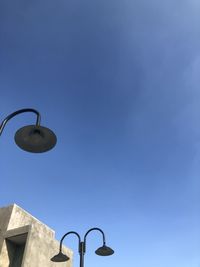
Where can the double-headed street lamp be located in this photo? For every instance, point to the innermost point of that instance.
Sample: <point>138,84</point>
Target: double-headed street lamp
<point>32,138</point>
<point>101,251</point>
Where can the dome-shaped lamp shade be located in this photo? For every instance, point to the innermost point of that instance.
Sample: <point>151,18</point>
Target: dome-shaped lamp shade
<point>36,139</point>
<point>104,251</point>
<point>60,257</point>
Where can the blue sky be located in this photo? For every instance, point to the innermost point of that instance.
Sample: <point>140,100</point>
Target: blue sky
<point>118,82</point>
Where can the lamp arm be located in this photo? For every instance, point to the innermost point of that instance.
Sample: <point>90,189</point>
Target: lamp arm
<point>95,229</point>
<point>71,232</point>
<point>3,124</point>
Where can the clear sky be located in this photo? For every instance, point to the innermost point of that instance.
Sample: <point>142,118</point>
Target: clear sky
<point>119,84</point>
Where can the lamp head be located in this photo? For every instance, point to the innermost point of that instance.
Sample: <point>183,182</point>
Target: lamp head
<point>60,257</point>
<point>35,138</point>
<point>104,251</point>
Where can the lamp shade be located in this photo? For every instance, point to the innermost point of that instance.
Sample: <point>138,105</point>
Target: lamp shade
<point>104,251</point>
<point>35,138</point>
<point>60,257</point>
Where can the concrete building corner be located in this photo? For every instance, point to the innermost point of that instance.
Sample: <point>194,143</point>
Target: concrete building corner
<point>27,242</point>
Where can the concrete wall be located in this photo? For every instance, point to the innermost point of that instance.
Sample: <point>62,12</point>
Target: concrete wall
<point>19,228</point>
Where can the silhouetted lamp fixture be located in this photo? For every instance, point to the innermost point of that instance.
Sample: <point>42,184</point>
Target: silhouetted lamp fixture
<point>32,138</point>
<point>101,251</point>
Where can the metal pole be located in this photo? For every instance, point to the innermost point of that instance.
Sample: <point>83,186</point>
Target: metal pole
<point>81,252</point>
<point>19,112</point>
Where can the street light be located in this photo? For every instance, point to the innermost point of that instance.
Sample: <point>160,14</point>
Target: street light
<point>32,138</point>
<point>101,251</point>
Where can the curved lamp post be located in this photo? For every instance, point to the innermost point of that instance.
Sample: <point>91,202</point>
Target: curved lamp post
<point>101,251</point>
<point>32,138</point>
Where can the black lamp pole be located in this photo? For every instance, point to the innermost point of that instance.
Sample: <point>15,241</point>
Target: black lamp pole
<point>101,251</point>
<point>32,138</point>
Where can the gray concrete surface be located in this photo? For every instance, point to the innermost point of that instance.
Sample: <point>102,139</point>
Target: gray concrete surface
<point>27,242</point>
